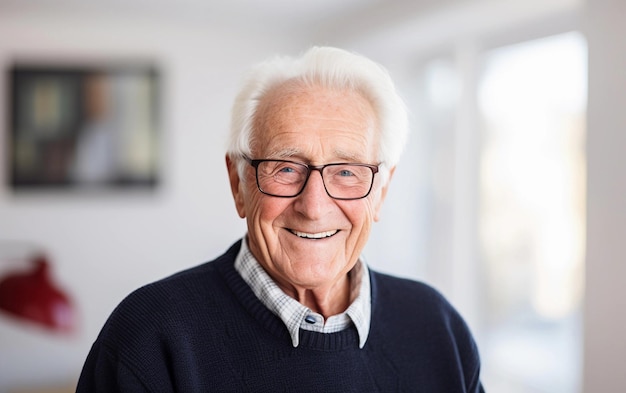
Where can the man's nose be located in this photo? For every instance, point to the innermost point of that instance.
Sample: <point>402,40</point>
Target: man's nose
<point>314,200</point>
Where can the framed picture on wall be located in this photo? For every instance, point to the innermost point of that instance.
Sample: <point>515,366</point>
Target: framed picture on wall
<point>87,127</point>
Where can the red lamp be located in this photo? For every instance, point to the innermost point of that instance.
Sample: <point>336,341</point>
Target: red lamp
<point>33,297</point>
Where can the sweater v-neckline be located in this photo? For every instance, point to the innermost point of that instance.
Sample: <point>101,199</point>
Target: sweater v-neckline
<point>345,339</point>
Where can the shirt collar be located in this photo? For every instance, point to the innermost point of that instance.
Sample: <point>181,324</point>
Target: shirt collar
<point>295,315</point>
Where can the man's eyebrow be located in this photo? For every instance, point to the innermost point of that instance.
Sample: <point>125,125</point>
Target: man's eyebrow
<point>346,156</point>
<point>285,154</point>
<point>289,154</point>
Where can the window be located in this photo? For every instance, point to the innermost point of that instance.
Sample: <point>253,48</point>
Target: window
<point>532,100</point>
<point>505,130</point>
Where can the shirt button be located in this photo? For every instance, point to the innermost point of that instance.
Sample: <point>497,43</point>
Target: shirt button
<point>310,319</point>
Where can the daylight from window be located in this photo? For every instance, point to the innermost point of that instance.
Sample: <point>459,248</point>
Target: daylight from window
<point>531,104</point>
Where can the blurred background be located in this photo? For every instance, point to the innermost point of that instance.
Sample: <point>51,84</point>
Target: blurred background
<point>509,198</point>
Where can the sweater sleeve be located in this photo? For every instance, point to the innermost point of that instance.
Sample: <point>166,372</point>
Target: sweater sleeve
<point>130,353</point>
<point>103,373</point>
<point>469,358</point>
<point>475,385</point>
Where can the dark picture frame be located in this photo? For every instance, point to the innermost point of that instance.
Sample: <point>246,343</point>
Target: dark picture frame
<point>87,127</point>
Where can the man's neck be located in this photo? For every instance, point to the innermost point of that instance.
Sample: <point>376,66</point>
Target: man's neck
<point>327,301</point>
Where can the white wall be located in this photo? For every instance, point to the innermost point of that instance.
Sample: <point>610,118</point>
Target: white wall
<point>605,319</point>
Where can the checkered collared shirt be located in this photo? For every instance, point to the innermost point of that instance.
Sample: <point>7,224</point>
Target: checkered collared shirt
<point>296,316</point>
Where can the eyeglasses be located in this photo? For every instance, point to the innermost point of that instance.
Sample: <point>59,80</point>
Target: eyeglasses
<point>287,179</point>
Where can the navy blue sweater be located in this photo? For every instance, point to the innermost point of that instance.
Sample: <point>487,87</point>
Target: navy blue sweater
<point>204,330</point>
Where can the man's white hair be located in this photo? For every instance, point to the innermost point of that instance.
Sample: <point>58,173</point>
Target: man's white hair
<point>330,68</point>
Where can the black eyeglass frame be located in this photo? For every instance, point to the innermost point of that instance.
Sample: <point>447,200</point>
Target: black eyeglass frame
<point>310,168</point>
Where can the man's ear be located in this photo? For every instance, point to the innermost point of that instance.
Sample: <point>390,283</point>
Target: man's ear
<point>236,186</point>
<point>383,194</point>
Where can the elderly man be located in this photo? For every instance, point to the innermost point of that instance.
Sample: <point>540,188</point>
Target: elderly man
<point>292,306</point>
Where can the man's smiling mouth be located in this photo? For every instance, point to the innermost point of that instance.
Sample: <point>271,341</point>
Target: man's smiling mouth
<point>319,235</point>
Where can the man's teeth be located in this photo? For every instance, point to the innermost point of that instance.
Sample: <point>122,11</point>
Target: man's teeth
<point>319,235</point>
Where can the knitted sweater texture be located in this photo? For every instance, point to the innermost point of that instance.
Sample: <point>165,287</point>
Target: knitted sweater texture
<point>204,330</point>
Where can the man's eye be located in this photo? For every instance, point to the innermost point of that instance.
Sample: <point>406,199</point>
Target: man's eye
<point>345,172</point>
